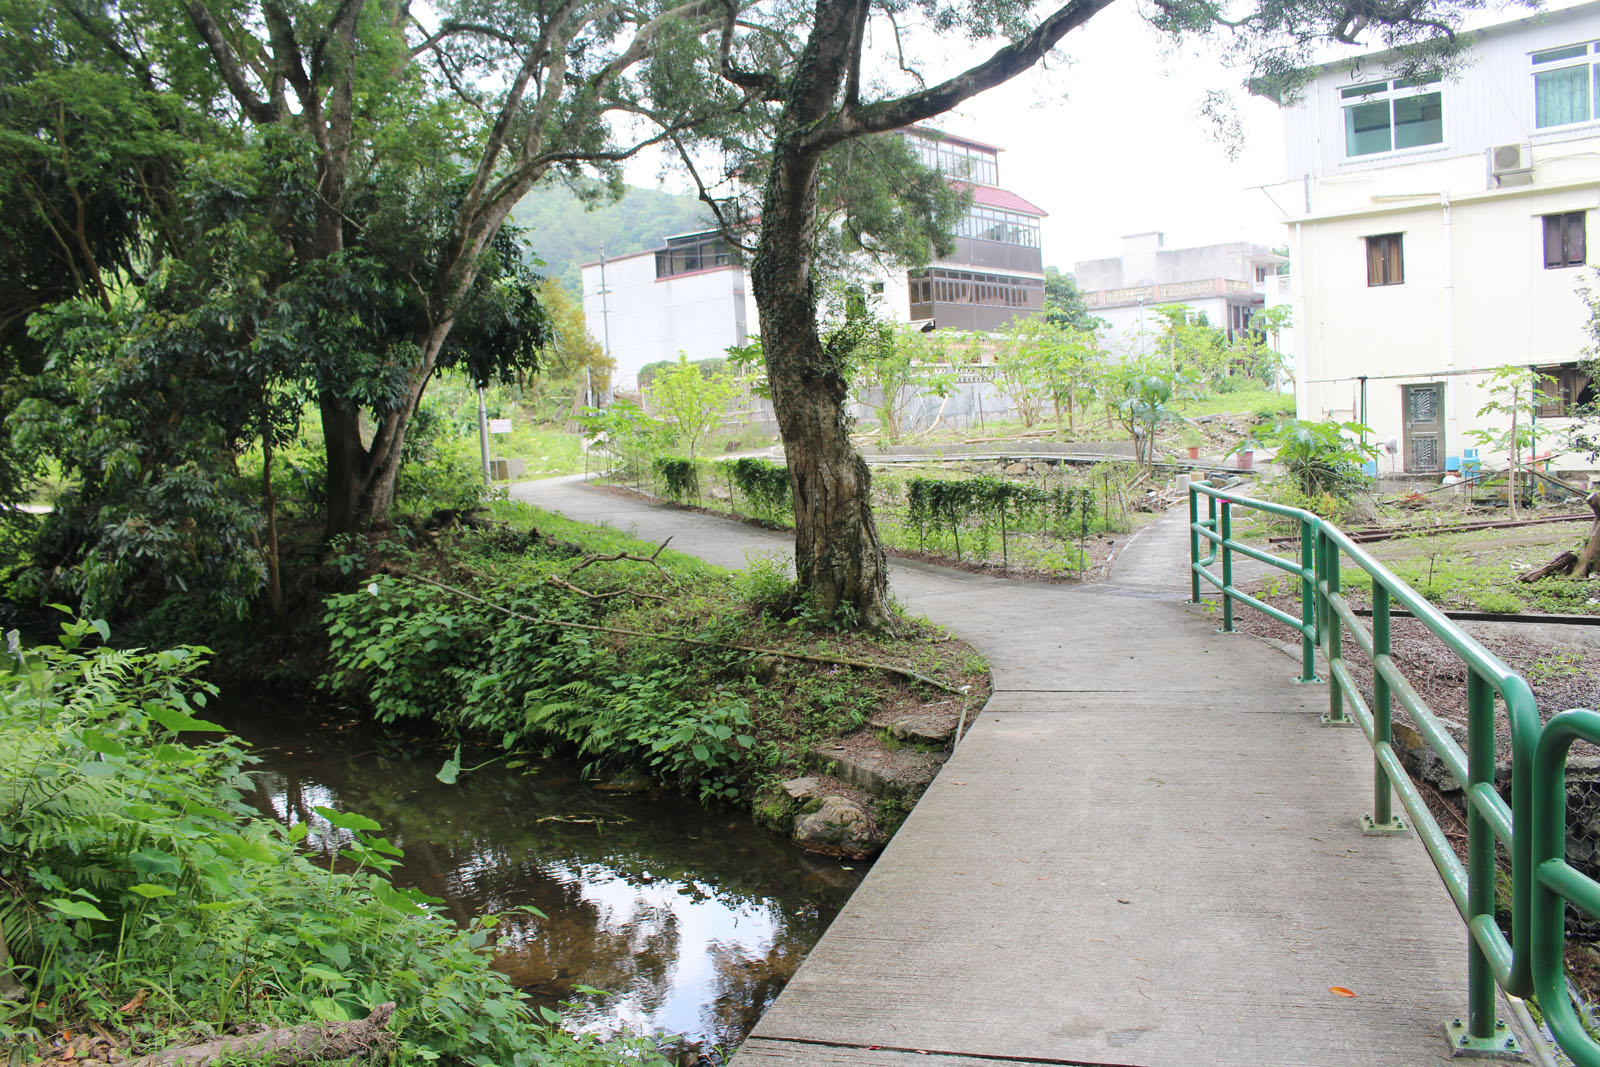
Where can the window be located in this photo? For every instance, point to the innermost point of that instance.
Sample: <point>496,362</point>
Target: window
<point>1566,85</point>
<point>1385,264</point>
<point>957,160</point>
<point>1389,115</point>
<point>1562,386</point>
<point>692,252</point>
<point>1564,240</point>
<point>993,224</point>
<point>972,287</point>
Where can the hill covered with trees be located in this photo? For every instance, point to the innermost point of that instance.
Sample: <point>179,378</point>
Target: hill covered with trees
<point>565,232</point>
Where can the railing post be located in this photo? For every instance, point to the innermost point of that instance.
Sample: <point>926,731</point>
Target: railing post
<point>1308,603</point>
<point>1332,633</point>
<point>1194,547</point>
<point>1227,566</point>
<point>1482,1032</point>
<point>1382,820</point>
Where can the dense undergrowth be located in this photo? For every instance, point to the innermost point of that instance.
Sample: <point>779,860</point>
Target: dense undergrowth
<point>145,905</point>
<point>542,644</point>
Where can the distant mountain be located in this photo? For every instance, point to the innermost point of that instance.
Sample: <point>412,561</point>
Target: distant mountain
<point>563,233</point>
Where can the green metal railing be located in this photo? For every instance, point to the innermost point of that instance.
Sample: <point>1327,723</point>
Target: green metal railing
<point>1531,828</point>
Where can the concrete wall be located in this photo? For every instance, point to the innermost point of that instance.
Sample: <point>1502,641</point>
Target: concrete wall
<point>1476,294</point>
<point>650,319</point>
<point>1490,103</point>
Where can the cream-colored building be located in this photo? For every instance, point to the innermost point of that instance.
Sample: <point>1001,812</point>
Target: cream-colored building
<point>1438,230</point>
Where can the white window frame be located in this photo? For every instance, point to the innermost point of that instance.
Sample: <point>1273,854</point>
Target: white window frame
<point>1392,90</point>
<point>1589,60</point>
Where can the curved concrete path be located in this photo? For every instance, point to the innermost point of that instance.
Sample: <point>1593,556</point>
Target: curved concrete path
<point>1146,850</point>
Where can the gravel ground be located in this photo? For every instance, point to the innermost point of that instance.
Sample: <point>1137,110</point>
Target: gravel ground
<point>1560,662</point>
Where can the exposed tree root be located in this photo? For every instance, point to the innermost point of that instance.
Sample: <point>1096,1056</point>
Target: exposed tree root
<point>1578,564</point>
<point>288,1046</point>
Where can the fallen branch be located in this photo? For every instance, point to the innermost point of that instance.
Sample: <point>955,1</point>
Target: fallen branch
<point>617,556</point>
<point>288,1046</point>
<point>593,628</point>
<point>560,583</point>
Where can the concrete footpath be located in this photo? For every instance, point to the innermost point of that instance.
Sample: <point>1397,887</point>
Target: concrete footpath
<point>1146,850</point>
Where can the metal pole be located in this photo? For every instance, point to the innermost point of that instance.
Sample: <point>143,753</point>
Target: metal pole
<point>1308,602</point>
<point>1333,633</point>
<point>1480,854</point>
<point>1194,546</point>
<point>483,434</point>
<point>1227,566</point>
<point>1382,709</point>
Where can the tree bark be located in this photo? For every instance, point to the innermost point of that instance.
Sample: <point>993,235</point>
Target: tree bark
<point>839,559</point>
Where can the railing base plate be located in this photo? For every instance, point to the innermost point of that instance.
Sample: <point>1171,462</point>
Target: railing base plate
<point>1502,1046</point>
<point>1393,828</point>
<point>1329,720</point>
<point>1313,680</point>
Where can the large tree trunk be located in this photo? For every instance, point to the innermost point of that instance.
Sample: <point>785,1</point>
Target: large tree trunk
<point>838,558</point>
<point>347,465</point>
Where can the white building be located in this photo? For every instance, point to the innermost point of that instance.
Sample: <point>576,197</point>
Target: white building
<point>1438,230</point>
<point>1224,282</point>
<point>688,296</point>
<point>691,295</point>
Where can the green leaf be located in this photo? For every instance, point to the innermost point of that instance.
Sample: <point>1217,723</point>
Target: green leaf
<point>347,820</point>
<point>451,769</point>
<point>701,753</point>
<point>151,892</point>
<point>323,974</point>
<point>178,721</point>
<point>148,861</point>
<point>95,741</point>
<point>77,909</point>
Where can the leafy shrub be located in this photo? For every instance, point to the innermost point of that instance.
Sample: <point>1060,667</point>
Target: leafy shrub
<point>681,475</point>
<point>764,483</point>
<point>1317,455</point>
<point>131,863</point>
<point>413,651</point>
<point>439,467</point>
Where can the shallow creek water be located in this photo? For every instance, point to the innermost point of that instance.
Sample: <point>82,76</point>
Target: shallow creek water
<point>691,920</point>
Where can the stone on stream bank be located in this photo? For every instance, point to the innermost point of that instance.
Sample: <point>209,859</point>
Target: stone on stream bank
<point>866,785</point>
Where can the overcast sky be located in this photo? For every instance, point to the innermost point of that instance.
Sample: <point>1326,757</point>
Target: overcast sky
<point>1110,141</point>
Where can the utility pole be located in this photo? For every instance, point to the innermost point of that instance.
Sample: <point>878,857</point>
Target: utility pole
<point>605,318</point>
<point>483,434</point>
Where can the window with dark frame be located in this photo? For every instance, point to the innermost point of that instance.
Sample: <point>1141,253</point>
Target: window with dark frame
<point>1385,261</point>
<point>1564,240</point>
<point>1562,387</point>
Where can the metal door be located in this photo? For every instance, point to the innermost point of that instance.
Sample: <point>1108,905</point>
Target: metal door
<point>1424,425</point>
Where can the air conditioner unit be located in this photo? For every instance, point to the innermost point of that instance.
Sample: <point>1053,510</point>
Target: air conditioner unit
<point>1513,161</point>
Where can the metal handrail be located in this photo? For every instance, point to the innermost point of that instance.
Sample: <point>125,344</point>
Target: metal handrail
<point>1525,963</point>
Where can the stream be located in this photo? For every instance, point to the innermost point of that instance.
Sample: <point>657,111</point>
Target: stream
<point>691,920</point>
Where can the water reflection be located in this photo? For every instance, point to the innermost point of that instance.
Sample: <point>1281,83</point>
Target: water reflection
<point>692,921</point>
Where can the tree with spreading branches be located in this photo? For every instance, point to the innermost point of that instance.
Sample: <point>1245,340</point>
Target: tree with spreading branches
<point>825,93</point>
<point>462,107</point>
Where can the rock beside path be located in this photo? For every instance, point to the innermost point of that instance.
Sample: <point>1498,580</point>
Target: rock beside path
<point>840,827</point>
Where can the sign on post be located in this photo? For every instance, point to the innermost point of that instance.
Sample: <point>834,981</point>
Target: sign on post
<point>499,425</point>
